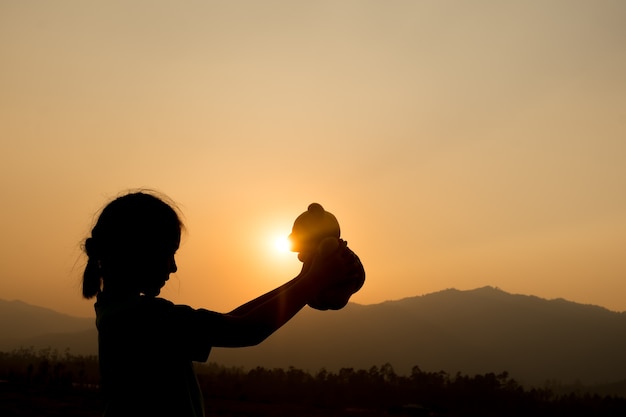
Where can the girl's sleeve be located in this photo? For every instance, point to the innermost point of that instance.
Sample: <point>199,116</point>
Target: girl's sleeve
<point>192,330</point>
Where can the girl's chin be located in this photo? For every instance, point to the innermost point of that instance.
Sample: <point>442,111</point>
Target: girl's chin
<point>152,292</point>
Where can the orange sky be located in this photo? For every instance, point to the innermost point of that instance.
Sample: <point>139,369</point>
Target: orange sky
<point>460,144</point>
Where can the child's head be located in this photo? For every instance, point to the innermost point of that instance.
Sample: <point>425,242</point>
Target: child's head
<point>132,246</point>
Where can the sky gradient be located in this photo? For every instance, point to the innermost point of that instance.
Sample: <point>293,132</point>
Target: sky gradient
<point>460,144</point>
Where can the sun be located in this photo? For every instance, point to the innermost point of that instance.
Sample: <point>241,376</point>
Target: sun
<point>281,244</point>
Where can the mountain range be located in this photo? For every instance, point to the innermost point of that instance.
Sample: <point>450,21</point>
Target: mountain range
<point>477,331</point>
<point>26,325</point>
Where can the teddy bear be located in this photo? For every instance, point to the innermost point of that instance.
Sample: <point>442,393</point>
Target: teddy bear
<point>317,231</point>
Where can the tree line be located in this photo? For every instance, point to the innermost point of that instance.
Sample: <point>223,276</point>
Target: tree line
<point>70,382</point>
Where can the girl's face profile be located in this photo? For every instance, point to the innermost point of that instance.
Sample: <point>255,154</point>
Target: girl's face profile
<point>156,266</point>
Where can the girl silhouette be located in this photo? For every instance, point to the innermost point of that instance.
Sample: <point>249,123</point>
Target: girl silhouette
<point>147,344</point>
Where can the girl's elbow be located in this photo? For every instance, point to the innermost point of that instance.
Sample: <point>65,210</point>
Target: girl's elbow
<point>247,337</point>
<point>243,332</point>
<point>258,335</point>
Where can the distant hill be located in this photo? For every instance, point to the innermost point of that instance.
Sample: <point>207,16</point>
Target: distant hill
<point>25,325</point>
<point>477,331</point>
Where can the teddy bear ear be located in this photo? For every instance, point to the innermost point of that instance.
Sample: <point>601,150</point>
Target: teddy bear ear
<point>315,208</point>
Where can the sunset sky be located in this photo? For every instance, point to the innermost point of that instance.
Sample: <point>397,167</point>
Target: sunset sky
<point>459,143</point>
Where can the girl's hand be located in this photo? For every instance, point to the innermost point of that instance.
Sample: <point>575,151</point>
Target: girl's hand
<point>338,273</point>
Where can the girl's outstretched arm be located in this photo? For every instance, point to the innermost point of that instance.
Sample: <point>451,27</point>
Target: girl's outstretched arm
<point>252,322</point>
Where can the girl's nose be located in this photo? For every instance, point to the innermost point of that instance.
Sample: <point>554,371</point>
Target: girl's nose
<point>173,266</point>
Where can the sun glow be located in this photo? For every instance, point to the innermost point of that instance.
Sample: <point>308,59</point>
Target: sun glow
<point>281,244</point>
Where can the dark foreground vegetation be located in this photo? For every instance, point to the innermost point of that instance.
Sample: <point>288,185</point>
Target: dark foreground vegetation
<point>49,383</point>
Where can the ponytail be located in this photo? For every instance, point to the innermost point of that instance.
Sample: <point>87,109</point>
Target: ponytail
<point>92,279</point>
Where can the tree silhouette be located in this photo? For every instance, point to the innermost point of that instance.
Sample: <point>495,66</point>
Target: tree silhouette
<point>45,382</point>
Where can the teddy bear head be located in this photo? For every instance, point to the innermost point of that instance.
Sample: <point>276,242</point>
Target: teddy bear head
<point>311,228</point>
